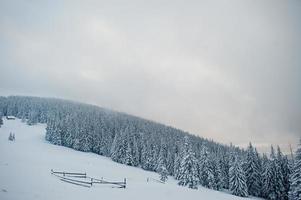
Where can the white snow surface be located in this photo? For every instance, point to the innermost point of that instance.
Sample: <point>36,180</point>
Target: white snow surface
<point>25,166</point>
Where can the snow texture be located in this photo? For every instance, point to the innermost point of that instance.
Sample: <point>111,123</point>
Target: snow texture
<point>25,166</point>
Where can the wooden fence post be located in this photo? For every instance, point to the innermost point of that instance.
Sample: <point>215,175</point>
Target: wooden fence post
<point>124,183</point>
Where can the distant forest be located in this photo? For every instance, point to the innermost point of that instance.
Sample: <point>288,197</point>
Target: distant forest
<point>134,141</point>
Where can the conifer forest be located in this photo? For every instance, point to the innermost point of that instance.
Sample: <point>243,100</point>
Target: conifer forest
<point>192,160</point>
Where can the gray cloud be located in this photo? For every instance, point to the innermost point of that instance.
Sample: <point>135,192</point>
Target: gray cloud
<point>227,70</point>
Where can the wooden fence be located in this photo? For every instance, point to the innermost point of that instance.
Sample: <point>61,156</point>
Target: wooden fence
<point>82,179</point>
<point>154,180</point>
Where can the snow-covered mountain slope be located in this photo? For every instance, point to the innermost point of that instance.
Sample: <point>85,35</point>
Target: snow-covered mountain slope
<point>25,166</point>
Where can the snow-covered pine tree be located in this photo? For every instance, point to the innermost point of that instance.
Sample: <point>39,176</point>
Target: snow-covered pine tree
<point>96,143</point>
<point>170,160</point>
<point>149,155</point>
<point>267,176</point>
<point>259,163</point>
<point>188,175</point>
<point>68,128</point>
<point>211,179</point>
<point>161,168</point>
<point>278,176</point>
<point>32,117</point>
<point>128,146</point>
<point>120,147</point>
<point>269,179</point>
<point>282,162</point>
<point>11,137</point>
<point>217,174</point>
<point>146,155</point>
<point>237,179</point>
<point>84,138</point>
<point>98,135</point>
<point>272,184</point>
<point>150,163</point>
<point>295,178</point>
<point>128,160</point>
<point>114,146</point>
<point>135,151</point>
<point>203,167</point>
<point>76,144</point>
<point>252,172</point>
<point>56,137</point>
<point>163,173</point>
<point>1,120</point>
<point>161,161</point>
<point>49,130</point>
<point>176,166</point>
<point>205,170</point>
<point>105,143</point>
<point>178,151</point>
<point>224,167</point>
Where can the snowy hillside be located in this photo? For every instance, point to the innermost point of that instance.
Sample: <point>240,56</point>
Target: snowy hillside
<point>25,166</point>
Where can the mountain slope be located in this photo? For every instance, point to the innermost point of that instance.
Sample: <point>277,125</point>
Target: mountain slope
<point>25,166</point>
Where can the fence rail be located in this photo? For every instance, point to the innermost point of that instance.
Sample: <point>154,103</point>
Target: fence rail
<point>101,181</point>
<point>155,180</point>
<point>69,173</point>
<point>69,177</point>
<point>75,183</point>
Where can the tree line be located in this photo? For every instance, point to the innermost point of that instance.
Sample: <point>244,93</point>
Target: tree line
<point>134,141</point>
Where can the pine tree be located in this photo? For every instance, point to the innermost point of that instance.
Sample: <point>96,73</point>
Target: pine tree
<point>76,144</point>
<point>188,167</point>
<point>170,162</point>
<point>119,148</point>
<point>205,170</point>
<point>267,177</point>
<point>162,157</point>
<point>251,169</point>
<point>135,152</point>
<point>282,162</point>
<point>161,168</point>
<point>128,160</point>
<point>56,137</point>
<point>259,163</point>
<point>146,156</point>
<point>69,128</point>
<point>114,146</point>
<point>49,130</point>
<point>11,137</point>
<point>211,181</point>
<point>237,182</point>
<point>163,173</point>
<point>176,166</point>
<point>84,139</point>
<point>278,176</point>
<point>1,120</point>
<point>224,167</point>
<point>150,160</point>
<point>217,174</point>
<point>295,178</point>
<point>273,178</point>
<point>32,118</point>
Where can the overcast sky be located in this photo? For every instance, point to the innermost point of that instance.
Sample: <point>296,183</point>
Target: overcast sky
<point>225,70</point>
